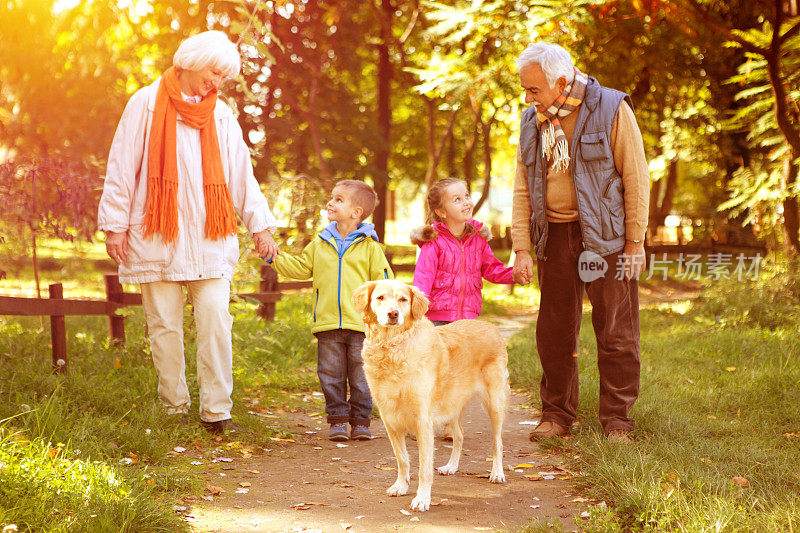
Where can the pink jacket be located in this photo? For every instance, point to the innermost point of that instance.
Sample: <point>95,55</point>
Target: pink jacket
<point>450,271</point>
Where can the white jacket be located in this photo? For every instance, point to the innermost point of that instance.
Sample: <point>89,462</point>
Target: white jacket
<point>192,256</point>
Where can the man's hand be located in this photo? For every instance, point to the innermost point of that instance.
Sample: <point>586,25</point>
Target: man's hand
<point>117,246</point>
<point>634,257</point>
<point>523,267</point>
<point>265,245</point>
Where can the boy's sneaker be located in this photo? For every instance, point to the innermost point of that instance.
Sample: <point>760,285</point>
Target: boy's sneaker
<point>338,432</point>
<point>360,433</point>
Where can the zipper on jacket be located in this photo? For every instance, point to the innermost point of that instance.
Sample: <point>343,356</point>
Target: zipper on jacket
<point>573,153</point>
<point>339,282</point>
<point>463,285</point>
<point>316,301</point>
<point>385,273</point>
<point>339,292</point>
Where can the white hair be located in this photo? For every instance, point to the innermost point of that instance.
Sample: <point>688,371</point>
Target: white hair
<point>554,60</point>
<point>209,49</point>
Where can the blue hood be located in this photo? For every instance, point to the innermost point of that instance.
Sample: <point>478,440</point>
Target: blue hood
<point>331,235</point>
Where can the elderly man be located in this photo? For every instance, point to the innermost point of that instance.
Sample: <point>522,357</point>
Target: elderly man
<point>178,174</point>
<point>580,201</point>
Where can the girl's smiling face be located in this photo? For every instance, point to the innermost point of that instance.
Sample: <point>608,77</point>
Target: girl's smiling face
<point>456,204</point>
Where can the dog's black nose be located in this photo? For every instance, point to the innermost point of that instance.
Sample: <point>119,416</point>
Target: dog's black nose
<point>393,315</point>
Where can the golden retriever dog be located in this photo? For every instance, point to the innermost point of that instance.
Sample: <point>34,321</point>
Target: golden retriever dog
<point>422,376</point>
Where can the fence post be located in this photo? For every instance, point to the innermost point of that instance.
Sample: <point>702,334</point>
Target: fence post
<point>269,283</point>
<point>58,332</point>
<point>116,323</point>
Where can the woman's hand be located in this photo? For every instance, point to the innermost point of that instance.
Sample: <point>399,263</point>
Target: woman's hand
<point>117,246</point>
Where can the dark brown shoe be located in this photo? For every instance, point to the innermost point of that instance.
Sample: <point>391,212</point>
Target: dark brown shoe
<point>220,426</point>
<point>546,430</point>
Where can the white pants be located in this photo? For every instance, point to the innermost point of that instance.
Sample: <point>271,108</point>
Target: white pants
<point>163,309</point>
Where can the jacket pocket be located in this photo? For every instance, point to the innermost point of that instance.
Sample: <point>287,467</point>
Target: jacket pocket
<point>145,250</point>
<point>612,209</point>
<point>595,146</point>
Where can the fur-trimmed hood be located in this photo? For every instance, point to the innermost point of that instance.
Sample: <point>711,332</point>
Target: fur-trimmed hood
<point>429,232</point>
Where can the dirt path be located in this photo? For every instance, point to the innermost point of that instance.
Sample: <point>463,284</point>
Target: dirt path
<point>317,485</point>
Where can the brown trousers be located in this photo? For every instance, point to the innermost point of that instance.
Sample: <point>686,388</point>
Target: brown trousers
<point>615,317</point>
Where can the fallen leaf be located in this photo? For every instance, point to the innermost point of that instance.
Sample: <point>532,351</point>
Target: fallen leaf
<point>179,449</point>
<point>403,511</point>
<point>579,499</point>
<point>254,471</point>
<point>213,489</point>
<point>345,525</point>
<point>533,477</point>
<point>414,519</point>
<point>730,368</point>
<point>524,465</point>
<point>278,439</point>
<point>245,484</point>
<point>117,363</point>
<point>741,481</point>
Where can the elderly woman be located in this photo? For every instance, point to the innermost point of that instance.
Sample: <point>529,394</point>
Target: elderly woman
<point>178,174</point>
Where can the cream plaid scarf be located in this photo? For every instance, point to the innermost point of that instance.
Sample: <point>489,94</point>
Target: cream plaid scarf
<point>554,143</point>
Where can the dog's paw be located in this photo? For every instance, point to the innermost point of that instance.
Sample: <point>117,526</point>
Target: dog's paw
<point>398,489</point>
<point>421,503</point>
<point>447,470</point>
<point>497,477</point>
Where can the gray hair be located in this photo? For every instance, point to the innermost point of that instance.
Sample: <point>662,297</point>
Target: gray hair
<point>209,49</point>
<point>554,60</point>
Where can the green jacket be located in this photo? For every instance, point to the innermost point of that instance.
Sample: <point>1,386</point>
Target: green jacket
<point>335,274</point>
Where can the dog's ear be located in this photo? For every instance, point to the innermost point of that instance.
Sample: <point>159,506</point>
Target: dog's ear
<point>419,303</point>
<point>362,295</point>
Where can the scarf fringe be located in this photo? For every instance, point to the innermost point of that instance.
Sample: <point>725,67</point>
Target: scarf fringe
<point>162,200</point>
<point>218,201</point>
<point>560,155</point>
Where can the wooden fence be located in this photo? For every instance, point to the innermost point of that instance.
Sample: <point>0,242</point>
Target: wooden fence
<point>57,308</point>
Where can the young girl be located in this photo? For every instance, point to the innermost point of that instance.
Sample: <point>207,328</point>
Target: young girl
<point>455,255</point>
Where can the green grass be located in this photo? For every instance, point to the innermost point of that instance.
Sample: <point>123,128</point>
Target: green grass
<point>720,398</point>
<point>102,415</point>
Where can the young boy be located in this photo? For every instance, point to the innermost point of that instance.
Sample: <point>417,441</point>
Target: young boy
<point>345,255</point>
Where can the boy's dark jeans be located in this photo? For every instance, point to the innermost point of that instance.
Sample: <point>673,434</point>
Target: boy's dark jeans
<point>615,317</point>
<point>339,362</point>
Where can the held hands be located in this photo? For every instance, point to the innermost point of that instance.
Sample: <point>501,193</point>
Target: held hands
<point>117,246</point>
<point>265,245</point>
<point>523,267</point>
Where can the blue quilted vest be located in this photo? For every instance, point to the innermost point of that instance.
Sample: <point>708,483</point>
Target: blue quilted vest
<point>598,185</point>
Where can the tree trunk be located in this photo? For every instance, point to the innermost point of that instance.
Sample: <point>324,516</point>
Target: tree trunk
<point>434,151</point>
<point>486,136</point>
<point>670,186</point>
<point>430,174</point>
<point>468,164</point>
<point>791,215</point>
<point>384,73</point>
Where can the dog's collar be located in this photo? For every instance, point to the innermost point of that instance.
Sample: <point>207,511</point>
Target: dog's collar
<point>395,341</point>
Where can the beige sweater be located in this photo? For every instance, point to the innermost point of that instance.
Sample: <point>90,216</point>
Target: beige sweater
<point>562,205</point>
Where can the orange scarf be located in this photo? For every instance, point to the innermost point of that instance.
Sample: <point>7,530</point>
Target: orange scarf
<point>161,213</point>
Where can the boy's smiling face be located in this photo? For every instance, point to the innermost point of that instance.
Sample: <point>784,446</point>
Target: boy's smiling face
<point>341,208</point>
